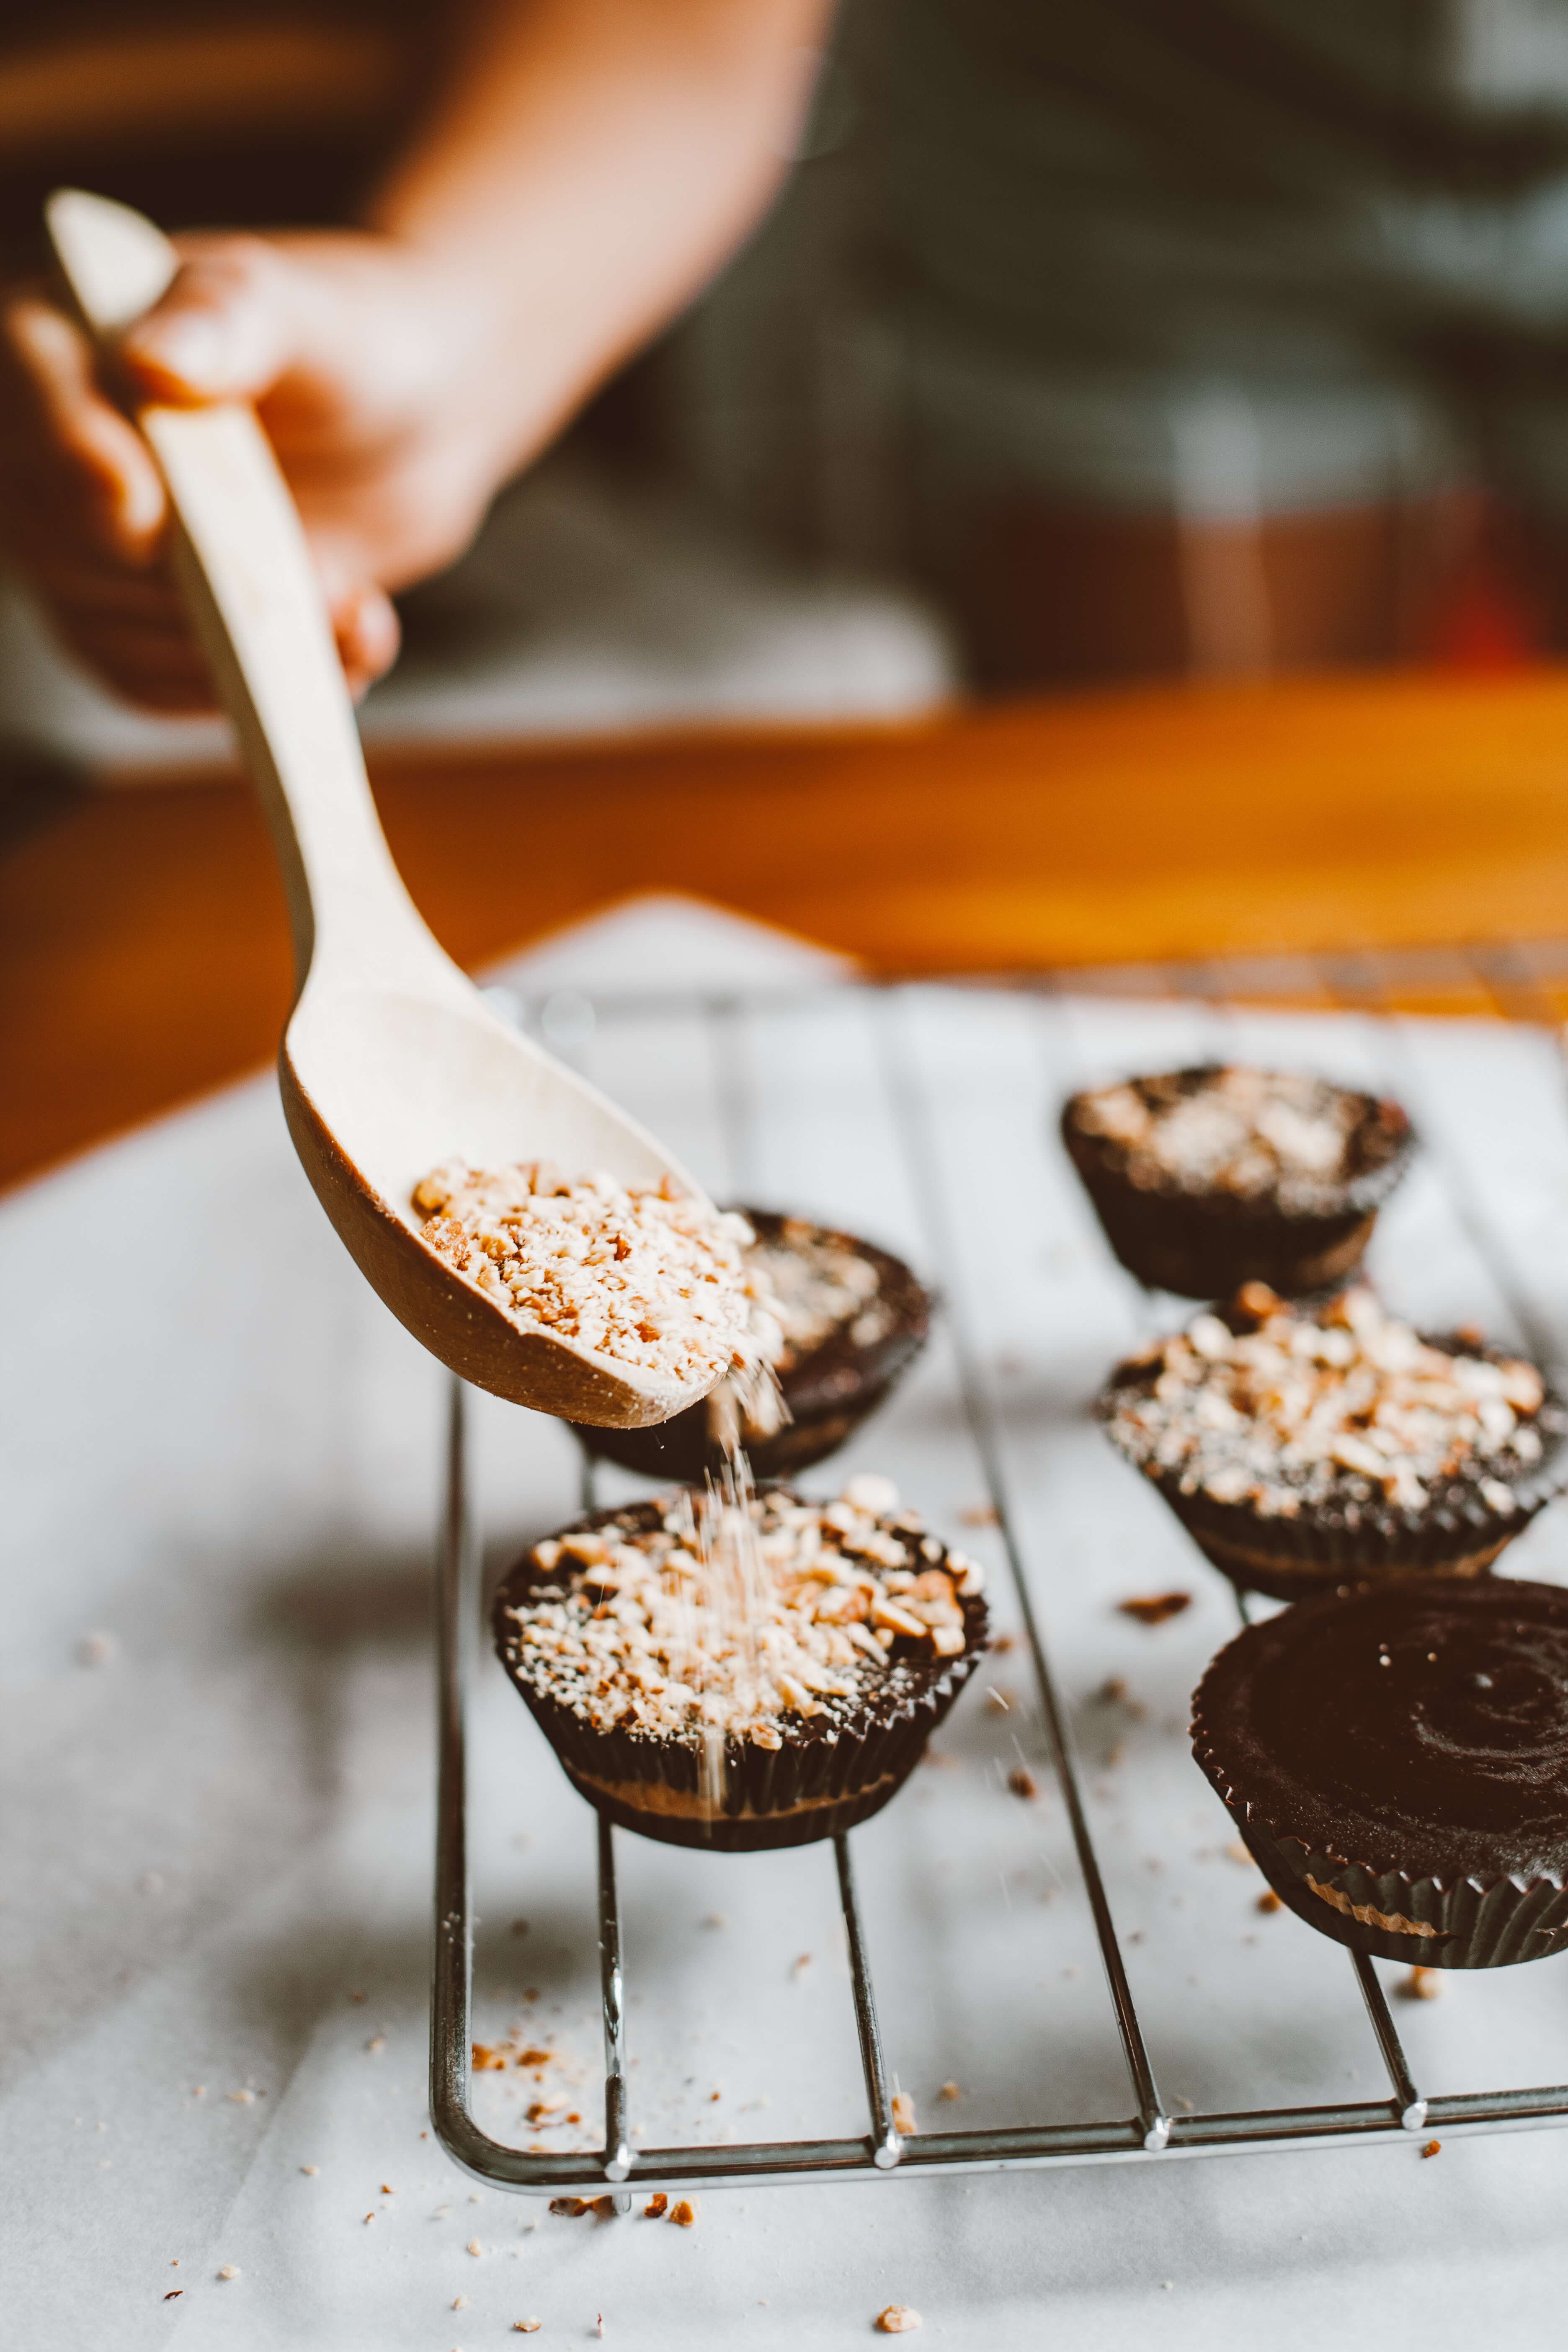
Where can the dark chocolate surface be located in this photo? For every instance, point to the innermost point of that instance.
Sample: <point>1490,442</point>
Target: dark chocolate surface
<point>828,1390</point>
<point>1419,1727</point>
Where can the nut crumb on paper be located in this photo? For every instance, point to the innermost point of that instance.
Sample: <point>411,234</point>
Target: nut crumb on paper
<point>229,2270</point>
<point>898,2319</point>
<point>605,2207</point>
<point>1269,1901</point>
<point>573,2208</point>
<point>1432,2147</point>
<point>656,2207</point>
<point>312,2169</point>
<point>683,2214</point>
<point>526,2326</point>
<point>1421,1984</point>
<point>1154,1607</point>
<point>1023,1783</point>
<point>474,2247</point>
<point>950,2091</point>
<point>376,2043</point>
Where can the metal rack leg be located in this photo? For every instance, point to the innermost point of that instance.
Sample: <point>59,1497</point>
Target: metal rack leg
<point>1409,2105</point>
<point>617,2142</point>
<point>886,2142</point>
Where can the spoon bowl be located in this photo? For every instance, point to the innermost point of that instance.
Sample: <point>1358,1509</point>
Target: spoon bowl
<point>391,1063</point>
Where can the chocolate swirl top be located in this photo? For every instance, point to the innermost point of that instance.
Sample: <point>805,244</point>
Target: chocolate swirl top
<point>1419,1727</point>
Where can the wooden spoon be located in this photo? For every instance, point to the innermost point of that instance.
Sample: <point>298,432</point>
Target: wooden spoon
<point>391,1061</point>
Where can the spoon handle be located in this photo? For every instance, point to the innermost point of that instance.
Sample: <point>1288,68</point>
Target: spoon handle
<point>257,607</point>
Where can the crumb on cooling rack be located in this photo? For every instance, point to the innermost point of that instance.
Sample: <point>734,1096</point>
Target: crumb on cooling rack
<point>639,1273</point>
<point>904,2114</point>
<point>1153,1608</point>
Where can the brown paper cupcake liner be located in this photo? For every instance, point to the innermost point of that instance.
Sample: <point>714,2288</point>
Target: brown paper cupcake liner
<point>1467,1924</point>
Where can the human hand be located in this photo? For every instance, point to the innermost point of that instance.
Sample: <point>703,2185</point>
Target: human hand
<point>370,377</point>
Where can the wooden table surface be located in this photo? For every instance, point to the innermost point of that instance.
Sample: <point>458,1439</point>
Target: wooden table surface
<point>145,958</point>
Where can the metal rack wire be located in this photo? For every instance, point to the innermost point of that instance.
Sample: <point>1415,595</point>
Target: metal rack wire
<point>1514,983</point>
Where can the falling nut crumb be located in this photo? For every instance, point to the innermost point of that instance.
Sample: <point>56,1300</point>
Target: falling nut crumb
<point>1269,1901</point>
<point>1023,1783</point>
<point>898,2319</point>
<point>903,2111</point>
<point>1153,1609</point>
<point>657,2205</point>
<point>683,2214</point>
<point>950,2091</point>
<point>1432,2147</point>
<point>1422,1984</point>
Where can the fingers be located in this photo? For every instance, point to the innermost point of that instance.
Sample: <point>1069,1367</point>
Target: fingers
<point>368,635</point>
<point>226,329</point>
<point>73,471</point>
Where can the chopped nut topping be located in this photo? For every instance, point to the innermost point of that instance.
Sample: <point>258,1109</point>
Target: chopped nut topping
<point>656,2207</point>
<point>732,1612</point>
<point>1281,1136</point>
<point>642,1274</point>
<point>898,2319</point>
<point>683,2214</point>
<point>1350,1404</point>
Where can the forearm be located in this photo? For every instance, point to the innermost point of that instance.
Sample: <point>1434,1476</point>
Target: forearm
<point>589,164</point>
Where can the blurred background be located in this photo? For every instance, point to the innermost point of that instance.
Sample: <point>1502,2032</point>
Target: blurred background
<point>1077,345</point>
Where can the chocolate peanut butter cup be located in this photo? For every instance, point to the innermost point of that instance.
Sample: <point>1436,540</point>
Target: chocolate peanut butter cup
<point>1210,1177</point>
<point>1303,1451</point>
<point>742,1670</point>
<point>1396,1759</point>
<point>839,1319</point>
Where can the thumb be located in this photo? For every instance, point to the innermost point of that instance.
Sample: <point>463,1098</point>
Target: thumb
<point>226,329</point>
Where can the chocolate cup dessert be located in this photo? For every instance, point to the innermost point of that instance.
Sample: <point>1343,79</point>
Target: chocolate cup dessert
<point>797,1764</point>
<point>1396,1759</point>
<point>1279,1524</point>
<point>832,1374</point>
<point>1209,1177</point>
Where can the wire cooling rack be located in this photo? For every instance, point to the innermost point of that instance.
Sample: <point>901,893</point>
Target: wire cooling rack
<point>1520,984</point>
